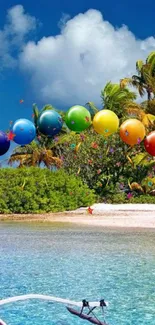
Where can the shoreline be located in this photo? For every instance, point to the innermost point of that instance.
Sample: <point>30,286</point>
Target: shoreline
<point>104,215</point>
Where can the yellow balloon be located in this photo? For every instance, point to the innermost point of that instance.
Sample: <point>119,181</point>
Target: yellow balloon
<point>106,122</point>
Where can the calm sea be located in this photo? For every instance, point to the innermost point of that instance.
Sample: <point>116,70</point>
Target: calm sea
<point>77,263</point>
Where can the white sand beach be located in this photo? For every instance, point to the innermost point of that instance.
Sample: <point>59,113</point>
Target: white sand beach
<point>103,215</point>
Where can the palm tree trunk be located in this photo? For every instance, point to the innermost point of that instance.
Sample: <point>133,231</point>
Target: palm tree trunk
<point>148,95</point>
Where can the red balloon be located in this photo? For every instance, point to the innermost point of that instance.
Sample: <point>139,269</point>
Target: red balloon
<point>149,143</point>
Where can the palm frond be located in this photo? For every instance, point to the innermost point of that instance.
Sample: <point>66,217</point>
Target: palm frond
<point>108,87</point>
<point>125,82</point>
<point>143,159</point>
<point>47,107</point>
<point>35,114</point>
<point>130,160</point>
<point>92,108</point>
<point>22,159</point>
<point>139,65</point>
<point>133,105</point>
<point>49,160</point>
<point>35,158</point>
<point>136,187</point>
<point>136,111</point>
<point>139,85</point>
<point>149,106</point>
<point>150,57</point>
<point>115,89</point>
<point>148,119</point>
<point>116,93</point>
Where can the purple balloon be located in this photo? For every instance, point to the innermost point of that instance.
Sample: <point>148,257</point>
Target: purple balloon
<point>4,143</point>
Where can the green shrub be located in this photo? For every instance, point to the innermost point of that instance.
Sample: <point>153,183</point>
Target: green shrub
<point>36,190</point>
<point>121,198</point>
<point>101,161</point>
<point>143,199</point>
<point>118,198</point>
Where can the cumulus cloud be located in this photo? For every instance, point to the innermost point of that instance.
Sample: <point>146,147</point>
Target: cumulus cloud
<point>6,60</point>
<point>64,18</point>
<point>13,35</point>
<point>20,23</point>
<point>72,67</point>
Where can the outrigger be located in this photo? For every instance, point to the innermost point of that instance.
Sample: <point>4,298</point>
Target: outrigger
<point>90,307</point>
<point>2,323</point>
<point>84,304</point>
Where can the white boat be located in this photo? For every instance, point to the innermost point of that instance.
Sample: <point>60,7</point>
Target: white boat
<point>84,304</point>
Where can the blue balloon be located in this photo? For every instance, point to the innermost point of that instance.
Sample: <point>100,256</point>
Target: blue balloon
<point>24,131</point>
<point>4,143</point>
<point>50,123</point>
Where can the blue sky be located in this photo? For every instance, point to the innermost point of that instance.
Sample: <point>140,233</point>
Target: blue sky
<point>70,56</point>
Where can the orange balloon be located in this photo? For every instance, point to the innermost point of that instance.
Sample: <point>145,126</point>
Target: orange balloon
<point>132,131</point>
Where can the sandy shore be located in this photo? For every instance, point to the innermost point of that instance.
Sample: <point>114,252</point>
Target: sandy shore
<point>104,215</point>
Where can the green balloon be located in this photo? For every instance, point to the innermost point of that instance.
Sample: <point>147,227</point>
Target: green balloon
<point>78,118</point>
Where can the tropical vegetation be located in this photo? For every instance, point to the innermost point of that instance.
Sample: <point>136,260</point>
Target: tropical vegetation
<point>36,190</point>
<point>105,167</point>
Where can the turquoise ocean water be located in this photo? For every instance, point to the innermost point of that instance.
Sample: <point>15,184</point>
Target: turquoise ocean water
<point>77,263</point>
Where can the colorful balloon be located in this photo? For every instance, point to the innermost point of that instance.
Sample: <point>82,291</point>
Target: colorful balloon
<point>4,143</point>
<point>50,123</point>
<point>149,143</point>
<point>24,131</point>
<point>132,131</point>
<point>105,122</point>
<point>78,118</point>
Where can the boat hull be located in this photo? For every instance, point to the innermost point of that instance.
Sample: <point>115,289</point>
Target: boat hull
<point>86,317</point>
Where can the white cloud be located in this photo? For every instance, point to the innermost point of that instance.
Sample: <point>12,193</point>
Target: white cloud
<point>62,22</point>
<point>18,26</point>
<point>20,23</point>
<point>6,60</point>
<point>74,66</point>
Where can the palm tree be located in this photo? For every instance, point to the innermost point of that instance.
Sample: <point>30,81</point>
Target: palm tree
<point>149,106</point>
<point>136,110</point>
<point>37,113</point>
<point>42,149</point>
<point>43,140</point>
<point>114,98</point>
<point>92,108</point>
<point>151,61</point>
<point>144,82</point>
<point>34,155</point>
